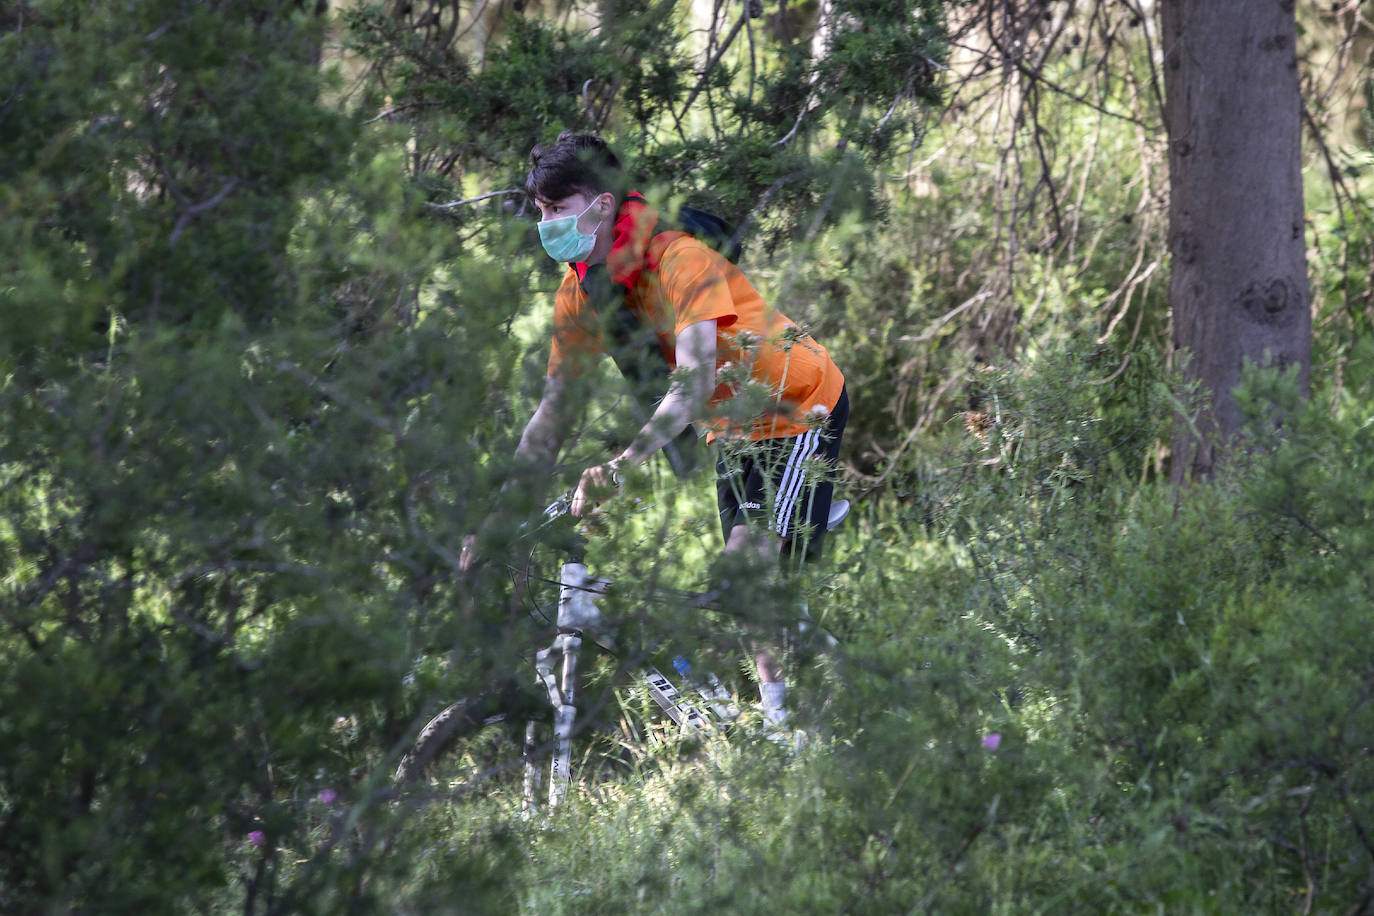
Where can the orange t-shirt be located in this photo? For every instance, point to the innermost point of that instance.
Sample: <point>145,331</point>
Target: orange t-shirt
<point>770,374</point>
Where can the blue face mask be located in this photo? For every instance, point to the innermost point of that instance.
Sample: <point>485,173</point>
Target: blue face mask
<point>564,241</point>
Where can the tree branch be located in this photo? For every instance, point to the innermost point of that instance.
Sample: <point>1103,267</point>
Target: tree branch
<point>196,209</point>
<point>711,64</point>
<point>473,200</point>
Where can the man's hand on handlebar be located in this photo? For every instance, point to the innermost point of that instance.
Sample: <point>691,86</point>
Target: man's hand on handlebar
<point>468,553</point>
<point>598,484</point>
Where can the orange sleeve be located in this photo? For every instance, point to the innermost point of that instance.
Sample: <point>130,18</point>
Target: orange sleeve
<point>696,280</point>
<point>576,342</point>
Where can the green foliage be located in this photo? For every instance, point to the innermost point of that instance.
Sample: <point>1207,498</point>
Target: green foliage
<point>233,490</point>
<point>1178,642</point>
<point>751,136</point>
<point>1179,690</point>
<point>255,392</point>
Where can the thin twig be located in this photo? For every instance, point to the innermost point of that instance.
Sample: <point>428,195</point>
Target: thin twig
<point>924,905</point>
<point>944,319</point>
<point>785,139</point>
<point>473,200</point>
<point>196,209</point>
<point>711,64</point>
<point>205,569</point>
<point>397,109</point>
<point>1060,90</point>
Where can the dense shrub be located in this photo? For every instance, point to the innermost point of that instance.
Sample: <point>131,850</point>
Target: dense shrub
<point>255,392</point>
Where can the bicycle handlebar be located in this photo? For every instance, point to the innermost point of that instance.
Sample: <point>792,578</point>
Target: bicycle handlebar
<point>561,506</point>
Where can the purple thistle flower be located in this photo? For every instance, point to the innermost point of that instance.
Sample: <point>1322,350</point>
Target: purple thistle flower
<point>992,741</point>
<point>257,837</point>
<point>327,796</point>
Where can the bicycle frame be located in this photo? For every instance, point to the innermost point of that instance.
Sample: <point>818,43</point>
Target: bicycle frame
<point>556,670</point>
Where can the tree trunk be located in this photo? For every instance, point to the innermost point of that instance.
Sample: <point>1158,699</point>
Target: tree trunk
<point>1238,289</point>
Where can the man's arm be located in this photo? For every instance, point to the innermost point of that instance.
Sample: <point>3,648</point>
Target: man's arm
<point>688,394</point>
<point>686,400</point>
<point>543,436</point>
<point>539,445</point>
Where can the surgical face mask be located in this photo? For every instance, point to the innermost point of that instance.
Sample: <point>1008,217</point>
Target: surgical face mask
<point>564,241</point>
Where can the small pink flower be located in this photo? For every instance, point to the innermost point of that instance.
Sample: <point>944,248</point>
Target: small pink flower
<point>992,741</point>
<point>327,796</point>
<point>257,837</point>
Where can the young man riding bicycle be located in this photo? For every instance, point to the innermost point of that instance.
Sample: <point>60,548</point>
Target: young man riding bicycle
<point>723,345</point>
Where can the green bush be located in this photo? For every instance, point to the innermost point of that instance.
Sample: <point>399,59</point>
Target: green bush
<point>254,393</point>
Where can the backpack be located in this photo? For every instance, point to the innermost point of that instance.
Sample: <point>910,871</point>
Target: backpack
<point>711,230</point>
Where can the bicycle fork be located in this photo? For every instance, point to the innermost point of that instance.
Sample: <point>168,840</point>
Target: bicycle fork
<point>560,680</point>
<point>556,667</point>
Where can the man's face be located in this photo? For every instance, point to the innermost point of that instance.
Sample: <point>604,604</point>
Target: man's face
<point>591,211</point>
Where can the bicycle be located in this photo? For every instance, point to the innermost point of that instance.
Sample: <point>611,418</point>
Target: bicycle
<point>706,708</point>
<point>578,615</point>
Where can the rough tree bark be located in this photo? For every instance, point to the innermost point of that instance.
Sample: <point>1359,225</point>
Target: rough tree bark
<point>1238,289</point>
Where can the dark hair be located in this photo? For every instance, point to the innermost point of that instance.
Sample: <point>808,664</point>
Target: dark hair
<point>573,164</point>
